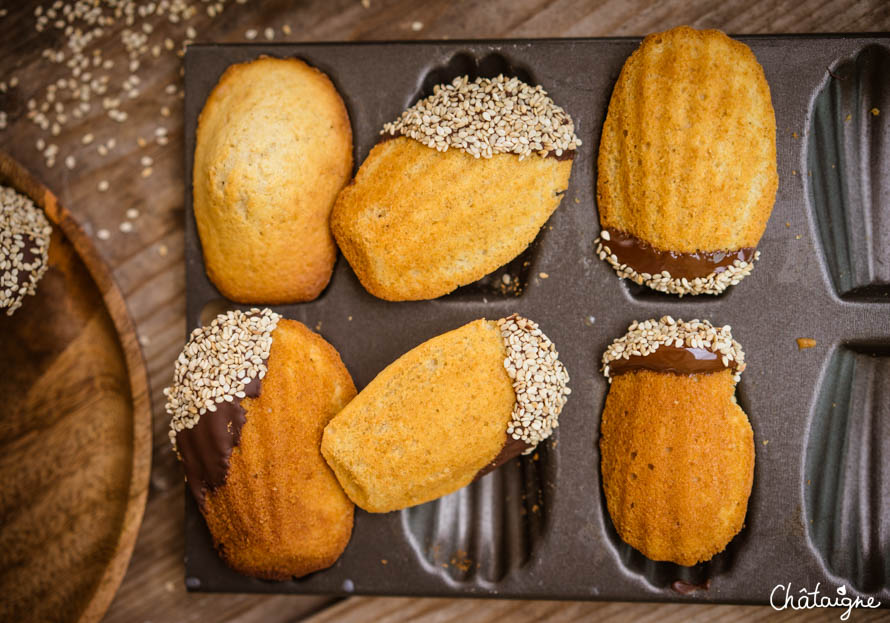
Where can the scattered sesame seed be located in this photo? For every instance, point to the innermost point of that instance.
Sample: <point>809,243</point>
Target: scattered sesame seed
<point>132,214</point>
<point>103,234</point>
<point>366,4</point>
<point>146,172</point>
<point>543,275</point>
<point>87,139</point>
<point>70,162</point>
<point>269,33</point>
<point>644,338</point>
<point>539,378</point>
<point>24,246</point>
<point>162,250</point>
<point>146,161</point>
<point>416,26</point>
<point>126,227</point>
<point>286,29</point>
<point>488,116</point>
<point>250,34</point>
<point>103,186</point>
<point>217,363</point>
<point>714,283</point>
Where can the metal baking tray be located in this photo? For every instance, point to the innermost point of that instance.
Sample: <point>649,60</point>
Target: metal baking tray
<point>538,527</point>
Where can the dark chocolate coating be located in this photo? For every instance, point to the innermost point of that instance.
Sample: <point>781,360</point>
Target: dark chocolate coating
<point>682,360</point>
<point>512,448</point>
<point>206,448</point>
<point>644,258</point>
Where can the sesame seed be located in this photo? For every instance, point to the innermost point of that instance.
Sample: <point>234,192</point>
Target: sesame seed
<point>103,186</point>
<point>714,283</point>
<point>24,245</point>
<point>269,33</point>
<point>539,378</point>
<point>488,116</point>
<point>250,34</point>
<point>645,337</point>
<point>217,363</point>
<point>103,234</point>
<point>132,214</point>
<point>416,26</point>
<point>126,227</point>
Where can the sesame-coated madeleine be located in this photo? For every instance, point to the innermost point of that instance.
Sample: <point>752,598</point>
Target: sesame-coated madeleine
<point>252,394</point>
<point>24,248</point>
<point>458,186</point>
<point>447,412</point>
<point>687,163</point>
<point>273,148</point>
<point>677,450</point>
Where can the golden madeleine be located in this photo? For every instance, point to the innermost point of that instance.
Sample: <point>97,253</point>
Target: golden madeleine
<point>273,149</point>
<point>687,163</point>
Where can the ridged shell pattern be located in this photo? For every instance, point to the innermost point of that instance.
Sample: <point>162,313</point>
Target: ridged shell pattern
<point>486,530</point>
<point>847,488</point>
<point>510,280</point>
<point>848,154</point>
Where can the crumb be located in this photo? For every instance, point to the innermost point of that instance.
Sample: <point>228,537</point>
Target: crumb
<point>875,111</point>
<point>535,508</point>
<point>543,275</point>
<point>366,4</point>
<point>787,223</point>
<point>162,250</point>
<point>797,237</point>
<point>318,326</point>
<point>848,117</point>
<point>577,200</point>
<point>384,561</point>
<point>765,441</point>
<point>795,135</point>
<point>805,342</point>
<point>349,319</point>
<point>793,171</point>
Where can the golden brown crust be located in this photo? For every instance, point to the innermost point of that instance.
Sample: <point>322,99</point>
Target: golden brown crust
<point>677,463</point>
<point>426,424</point>
<point>281,511</point>
<point>687,159</point>
<point>417,223</point>
<point>273,149</point>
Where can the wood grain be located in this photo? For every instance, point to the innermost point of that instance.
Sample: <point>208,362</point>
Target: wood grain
<point>75,437</point>
<point>148,263</point>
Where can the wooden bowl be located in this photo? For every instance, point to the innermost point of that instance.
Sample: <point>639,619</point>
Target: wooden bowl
<point>75,431</point>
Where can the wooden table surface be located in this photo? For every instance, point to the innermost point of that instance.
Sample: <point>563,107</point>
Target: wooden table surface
<point>145,250</point>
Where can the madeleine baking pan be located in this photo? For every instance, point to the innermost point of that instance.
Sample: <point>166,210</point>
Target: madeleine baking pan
<point>538,527</point>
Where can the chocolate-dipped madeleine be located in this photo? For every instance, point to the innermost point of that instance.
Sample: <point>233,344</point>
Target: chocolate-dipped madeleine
<point>252,394</point>
<point>24,248</point>
<point>677,450</point>
<point>447,412</point>
<point>459,185</point>
<point>687,163</point>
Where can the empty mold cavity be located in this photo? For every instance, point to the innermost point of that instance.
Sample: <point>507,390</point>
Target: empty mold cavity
<point>848,158</point>
<point>847,490</point>
<point>465,64</point>
<point>486,530</point>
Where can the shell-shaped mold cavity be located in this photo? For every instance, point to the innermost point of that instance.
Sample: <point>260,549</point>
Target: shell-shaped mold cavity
<point>512,279</point>
<point>848,155</point>
<point>484,531</point>
<point>847,490</point>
